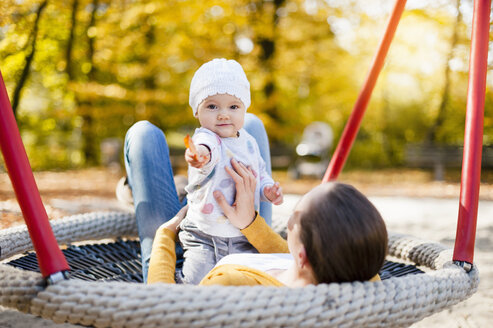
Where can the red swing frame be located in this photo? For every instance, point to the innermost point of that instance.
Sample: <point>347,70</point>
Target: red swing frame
<point>473,136</point>
<point>52,262</point>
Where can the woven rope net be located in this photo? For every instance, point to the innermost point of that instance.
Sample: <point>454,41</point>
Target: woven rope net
<point>395,302</point>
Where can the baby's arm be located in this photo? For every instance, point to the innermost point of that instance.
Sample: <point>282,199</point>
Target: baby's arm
<point>203,151</point>
<point>269,191</point>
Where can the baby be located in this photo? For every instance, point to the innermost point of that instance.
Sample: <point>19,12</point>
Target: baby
<point>219,97</point>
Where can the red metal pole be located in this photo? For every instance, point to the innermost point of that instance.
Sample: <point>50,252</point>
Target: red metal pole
<point>473,136</point>
<point>352,126</point>
<point>50,258</point>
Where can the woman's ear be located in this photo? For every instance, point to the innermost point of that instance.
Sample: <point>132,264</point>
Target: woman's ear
<point>303,262</point>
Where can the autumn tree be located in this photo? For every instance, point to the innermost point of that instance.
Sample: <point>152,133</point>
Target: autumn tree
<point>95,67</point>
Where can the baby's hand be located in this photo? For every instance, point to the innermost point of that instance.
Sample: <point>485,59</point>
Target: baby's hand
<point>274,194</point>
<point>199,158</point>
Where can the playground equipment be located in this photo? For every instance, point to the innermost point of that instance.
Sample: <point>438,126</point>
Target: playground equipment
<point>395,302</point>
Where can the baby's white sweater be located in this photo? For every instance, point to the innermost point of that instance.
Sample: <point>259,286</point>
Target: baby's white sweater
<point>203,210</point>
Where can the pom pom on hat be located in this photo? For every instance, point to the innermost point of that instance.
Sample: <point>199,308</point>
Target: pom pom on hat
<point>219,76</point>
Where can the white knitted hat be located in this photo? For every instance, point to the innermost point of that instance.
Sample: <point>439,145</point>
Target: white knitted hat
<point>219,76</point>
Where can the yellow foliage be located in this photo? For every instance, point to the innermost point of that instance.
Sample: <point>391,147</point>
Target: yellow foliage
<point>305,61</point>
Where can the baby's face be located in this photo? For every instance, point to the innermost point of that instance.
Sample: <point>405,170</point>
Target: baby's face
<point>223,114</point>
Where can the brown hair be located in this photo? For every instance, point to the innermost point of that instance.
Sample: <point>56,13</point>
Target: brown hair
<point>344,236</point>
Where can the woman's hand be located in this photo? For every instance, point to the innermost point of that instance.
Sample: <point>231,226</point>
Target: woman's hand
<point>174,223</point>
<point>242,212</point>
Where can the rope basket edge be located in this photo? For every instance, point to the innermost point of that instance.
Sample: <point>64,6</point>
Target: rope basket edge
<point>393,302</point>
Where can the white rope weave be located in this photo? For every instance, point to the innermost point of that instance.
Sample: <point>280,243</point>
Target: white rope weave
<point>395,302</point>
<point>90,226</point>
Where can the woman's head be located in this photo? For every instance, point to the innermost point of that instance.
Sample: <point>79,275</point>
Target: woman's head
<point>341,233</point>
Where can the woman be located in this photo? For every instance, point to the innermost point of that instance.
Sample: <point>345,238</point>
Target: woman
<point>334,235</point>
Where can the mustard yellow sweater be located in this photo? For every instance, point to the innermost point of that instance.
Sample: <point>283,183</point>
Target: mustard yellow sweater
<point>258,233</point>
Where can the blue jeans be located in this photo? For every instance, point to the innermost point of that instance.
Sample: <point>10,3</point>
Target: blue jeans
<point>150,176</point>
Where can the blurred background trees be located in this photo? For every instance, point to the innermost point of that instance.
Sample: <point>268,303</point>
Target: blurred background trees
<point>81,71</point>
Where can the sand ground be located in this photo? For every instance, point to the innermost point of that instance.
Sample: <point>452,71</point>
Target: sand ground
<point>428,211</point>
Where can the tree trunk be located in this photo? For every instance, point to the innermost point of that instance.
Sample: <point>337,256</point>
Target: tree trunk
<point>84,108</point>
<point>387,147</point>
<point>29,59</point>
<point>70,42</point>
<point>431,136</point>
<point>268,46</point>
<point>92,23</point>
<point>89,142</point>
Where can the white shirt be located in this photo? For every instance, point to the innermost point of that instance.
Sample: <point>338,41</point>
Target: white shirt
<point>262,262</point>
<point>203,210</point>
